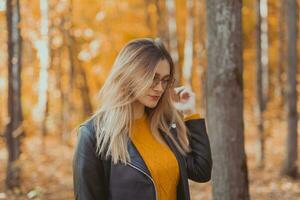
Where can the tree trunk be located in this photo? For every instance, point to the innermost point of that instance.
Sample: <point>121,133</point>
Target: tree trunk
<point>14,129</point>
<point>67,89</point>
<point>200,49</point>
<point>58,69</point>
<point>279,90</point>
<point>225,99</point>
<point>260,105</point>
<point>188,45</point>
<point>43,53</point>
<point>264,51</point>
<point>76,69</point>
<point>81,81</point>
<point>171,9</point>
<point>162,29</point>
<point>290,163</point>
<point>84,90</point>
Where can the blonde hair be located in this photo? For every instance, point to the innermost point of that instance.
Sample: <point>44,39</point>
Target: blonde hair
<point>131,75</point>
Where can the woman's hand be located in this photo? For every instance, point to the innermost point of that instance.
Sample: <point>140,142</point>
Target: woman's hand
<point>184,100</point>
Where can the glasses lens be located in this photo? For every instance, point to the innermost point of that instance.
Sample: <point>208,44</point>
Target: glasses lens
<point>155,82</point>
<point>165,83</point>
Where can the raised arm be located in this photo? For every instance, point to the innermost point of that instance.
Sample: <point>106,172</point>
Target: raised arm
<point>198,161</point>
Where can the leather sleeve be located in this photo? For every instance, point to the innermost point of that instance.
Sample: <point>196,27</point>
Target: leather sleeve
<point>88,172</point>
<point>199,160</point>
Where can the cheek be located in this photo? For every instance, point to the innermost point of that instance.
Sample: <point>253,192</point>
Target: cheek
<point>144,99</point>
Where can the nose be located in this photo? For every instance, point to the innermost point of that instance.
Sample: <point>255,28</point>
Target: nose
<point>159,87</point>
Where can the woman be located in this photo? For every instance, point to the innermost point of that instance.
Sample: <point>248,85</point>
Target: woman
<point>141,144</point>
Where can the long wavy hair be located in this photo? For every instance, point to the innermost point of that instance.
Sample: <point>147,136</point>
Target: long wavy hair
<point>131,76</point>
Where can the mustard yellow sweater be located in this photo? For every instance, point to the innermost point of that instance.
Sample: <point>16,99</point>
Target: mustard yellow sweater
<point>158,157</point>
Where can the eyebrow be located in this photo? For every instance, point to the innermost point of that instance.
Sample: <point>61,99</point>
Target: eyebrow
<point>168,75</point>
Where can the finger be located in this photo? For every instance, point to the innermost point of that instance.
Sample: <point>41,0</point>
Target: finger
<point>178,89</point>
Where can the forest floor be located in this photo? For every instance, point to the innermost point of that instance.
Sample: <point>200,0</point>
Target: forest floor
<point>47,173</point>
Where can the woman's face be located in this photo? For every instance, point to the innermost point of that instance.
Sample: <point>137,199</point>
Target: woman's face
<point>161,79</point>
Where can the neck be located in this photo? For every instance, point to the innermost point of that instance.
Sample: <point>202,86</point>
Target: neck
<point>138,110</point>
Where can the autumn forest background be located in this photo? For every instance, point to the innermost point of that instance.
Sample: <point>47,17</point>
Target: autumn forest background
<point>239,57</point>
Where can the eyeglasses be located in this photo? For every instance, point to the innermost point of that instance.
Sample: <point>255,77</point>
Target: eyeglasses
<point>166,82</point>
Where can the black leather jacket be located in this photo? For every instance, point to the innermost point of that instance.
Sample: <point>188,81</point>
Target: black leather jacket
<point>99,179</point>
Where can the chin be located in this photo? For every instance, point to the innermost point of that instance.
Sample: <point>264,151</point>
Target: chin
<point>151,105</point>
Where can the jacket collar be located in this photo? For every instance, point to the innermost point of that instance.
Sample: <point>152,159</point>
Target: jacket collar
<point>137,160</point>
<point>135,157</point>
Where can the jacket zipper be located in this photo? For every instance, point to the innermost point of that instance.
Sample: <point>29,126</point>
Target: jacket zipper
<point>140,170</point>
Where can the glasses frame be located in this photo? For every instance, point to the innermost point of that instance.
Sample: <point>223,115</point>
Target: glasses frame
<point>166,85</point>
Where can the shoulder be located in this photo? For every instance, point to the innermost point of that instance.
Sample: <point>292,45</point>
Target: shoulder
<point>88,124</point>
<point>86,131</point>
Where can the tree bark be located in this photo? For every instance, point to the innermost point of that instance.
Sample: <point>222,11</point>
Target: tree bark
<point>200,49</point>
<point>264,51</point>
<point>290,163</point>
<point>14,129</point>
<point>279,90</point>
<point>260,104</point>
<point>225,99</point>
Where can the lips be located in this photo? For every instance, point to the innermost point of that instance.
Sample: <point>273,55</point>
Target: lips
<point>155,98</point>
